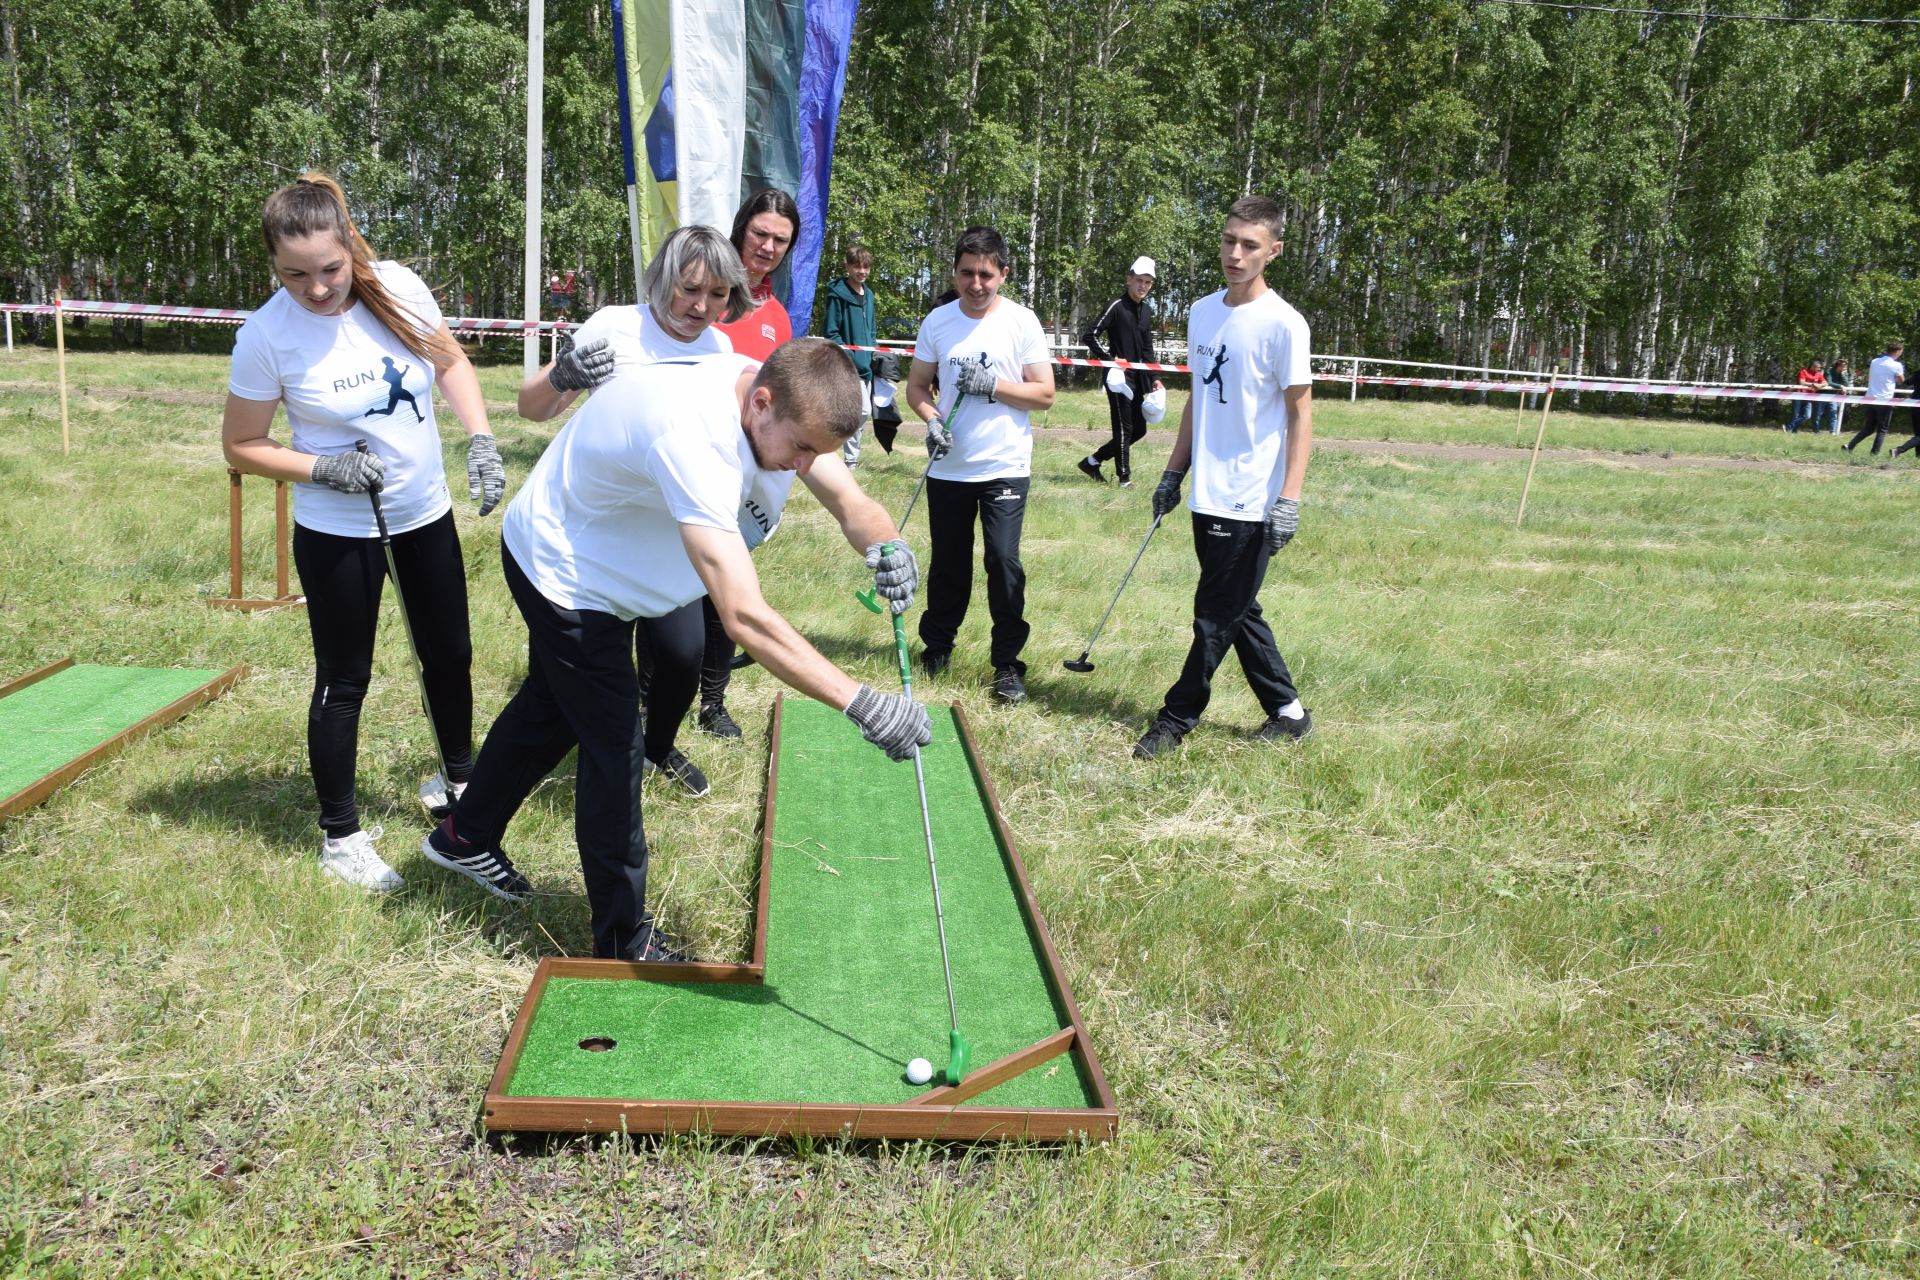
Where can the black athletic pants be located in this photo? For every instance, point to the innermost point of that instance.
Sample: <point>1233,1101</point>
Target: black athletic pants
<point>1129,422</point>
<point>1001,508</point>
<point>343,579</point>
<point>1913,424</point>
<point>716,668</point>
<point>667,654</point>
<point>1226,614</point>
<point>580,690</point>
<point>1879,418</point>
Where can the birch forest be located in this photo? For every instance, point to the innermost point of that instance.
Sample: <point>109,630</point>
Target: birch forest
<point>1675,195</point>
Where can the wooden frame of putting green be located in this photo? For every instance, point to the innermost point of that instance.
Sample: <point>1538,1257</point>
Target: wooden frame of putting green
<point>38,790</point>
<point>936,1114</point>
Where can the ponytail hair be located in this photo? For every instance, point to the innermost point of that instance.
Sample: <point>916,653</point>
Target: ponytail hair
<point>314,204</point>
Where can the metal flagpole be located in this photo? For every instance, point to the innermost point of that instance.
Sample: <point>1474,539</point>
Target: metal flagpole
<point>536,90</point>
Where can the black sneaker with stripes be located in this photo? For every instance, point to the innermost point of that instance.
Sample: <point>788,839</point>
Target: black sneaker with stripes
<point>488,868</point>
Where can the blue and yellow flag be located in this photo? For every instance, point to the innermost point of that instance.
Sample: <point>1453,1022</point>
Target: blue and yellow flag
<point>736,95</point>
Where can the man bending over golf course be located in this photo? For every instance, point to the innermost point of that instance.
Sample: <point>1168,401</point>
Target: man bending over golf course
<point>633,511</point>
<point>1246,432</point>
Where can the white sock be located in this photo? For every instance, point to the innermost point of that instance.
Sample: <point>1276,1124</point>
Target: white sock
<point>1292,711</point>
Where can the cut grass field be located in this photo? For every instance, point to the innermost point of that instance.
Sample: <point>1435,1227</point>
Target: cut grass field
<point>1578,941</point>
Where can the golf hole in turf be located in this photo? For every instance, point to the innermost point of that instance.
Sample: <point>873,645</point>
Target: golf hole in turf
<point>598,1044</point>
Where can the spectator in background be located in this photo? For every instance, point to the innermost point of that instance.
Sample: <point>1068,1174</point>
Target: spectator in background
<point>1883,375</point>
<point>763,231</point>
<point>1812,377</point>
<point>850,321</point>
<point>1839,379</point>
<point>1128,324</point>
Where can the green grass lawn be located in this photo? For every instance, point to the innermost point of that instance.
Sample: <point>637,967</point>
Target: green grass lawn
<point>1578,941</point>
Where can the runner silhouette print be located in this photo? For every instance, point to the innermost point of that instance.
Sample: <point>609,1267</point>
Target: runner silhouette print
<point>1213,379</point>
<point>396,392</point>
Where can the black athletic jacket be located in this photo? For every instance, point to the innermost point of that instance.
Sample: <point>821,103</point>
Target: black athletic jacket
<point>1129,329</point>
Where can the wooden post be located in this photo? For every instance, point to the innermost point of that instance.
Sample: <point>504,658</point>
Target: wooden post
<point>280,539</point>
<point>1353,388</point>
<point>60,343</point>
<point>9,332</point>
<point>1538,436</point>
<point>233,533</point>
<point>283,595</point>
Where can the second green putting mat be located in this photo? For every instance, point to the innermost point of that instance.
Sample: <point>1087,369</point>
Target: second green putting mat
<point>66,715</point>
<point>853,986</point>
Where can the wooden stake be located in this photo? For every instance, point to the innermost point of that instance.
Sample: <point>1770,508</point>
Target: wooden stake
<point>60,342</point>
<point>1538,436</point>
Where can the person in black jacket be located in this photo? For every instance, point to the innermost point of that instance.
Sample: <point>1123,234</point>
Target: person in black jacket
<point>1128,324</point>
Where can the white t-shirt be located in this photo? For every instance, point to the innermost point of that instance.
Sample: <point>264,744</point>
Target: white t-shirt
<point>761,505</point>
<point>597,523</point>
<point>1883,375</point>
<point>990,440</point>
<point>636,337</point>
<point>1243,359</point>
<point>344,378</point>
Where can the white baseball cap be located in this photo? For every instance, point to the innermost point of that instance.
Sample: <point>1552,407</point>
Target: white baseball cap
<point>1143,266</point>
<point>1117,383</point>
<point>1153,406</point>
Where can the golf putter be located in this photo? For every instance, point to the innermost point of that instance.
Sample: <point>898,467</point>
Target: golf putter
<point>1081,663</point>
<point>406,621</point>
<point>959,1052</point>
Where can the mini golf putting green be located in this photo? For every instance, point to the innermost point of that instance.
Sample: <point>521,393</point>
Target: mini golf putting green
<point>61,720</point>
<point>813,1035</point>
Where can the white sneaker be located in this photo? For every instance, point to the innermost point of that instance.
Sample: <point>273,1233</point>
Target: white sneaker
<point>438,798</point>
<point>354,860</point>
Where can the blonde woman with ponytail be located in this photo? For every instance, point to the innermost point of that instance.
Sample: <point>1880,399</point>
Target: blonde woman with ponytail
<point>352,347</point>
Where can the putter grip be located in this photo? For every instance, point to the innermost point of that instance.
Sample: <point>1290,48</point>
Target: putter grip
<point>900,652</point>
<point>373,495</point>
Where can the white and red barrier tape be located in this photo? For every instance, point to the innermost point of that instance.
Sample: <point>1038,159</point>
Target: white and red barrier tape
<point>221,315</point>
<point>478,325</point>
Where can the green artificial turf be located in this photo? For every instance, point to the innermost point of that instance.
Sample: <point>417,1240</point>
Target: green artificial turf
<point>45,725</point>
<point>853,984</point>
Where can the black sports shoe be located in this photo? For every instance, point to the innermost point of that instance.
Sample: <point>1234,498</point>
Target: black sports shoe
<point>1008,686</point>
<point>681,770</point>
<point>488,868</point>
<point>1282,727</point>
<point>1159,740</point>
<point>1090,469</point>
<point>715,720</point>
<point>935,661</point>
<point>656,951</point>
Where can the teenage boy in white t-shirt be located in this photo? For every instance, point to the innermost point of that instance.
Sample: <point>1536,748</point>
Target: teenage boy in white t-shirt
<point>632,512</point>
<point>1247,430</point>
<point>1883,375</point>
<point>990,358</point>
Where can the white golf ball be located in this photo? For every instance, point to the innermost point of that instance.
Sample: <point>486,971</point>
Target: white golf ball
<point>919,1071</point>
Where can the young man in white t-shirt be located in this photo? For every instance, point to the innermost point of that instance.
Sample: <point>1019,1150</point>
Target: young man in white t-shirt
<point>1247,431</point>
<point>634,511</point>
<point>1883,375</point>
<point>990,357</point>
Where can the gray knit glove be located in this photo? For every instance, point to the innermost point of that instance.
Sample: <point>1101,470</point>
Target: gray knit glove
<point>975,380</point>
<point>896,574</point>
<point>1283,521</point>
<point>892,722</point>
<point>1166,494</point>
<point>939,442</point>
<point>350,472</point>
<point>486,478</point>
<point>582,368</point>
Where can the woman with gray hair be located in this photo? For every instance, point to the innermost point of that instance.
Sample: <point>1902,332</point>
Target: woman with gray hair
<point>694,281</point>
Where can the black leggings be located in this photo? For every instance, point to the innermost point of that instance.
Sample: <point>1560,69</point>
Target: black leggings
<point>343,579</point>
